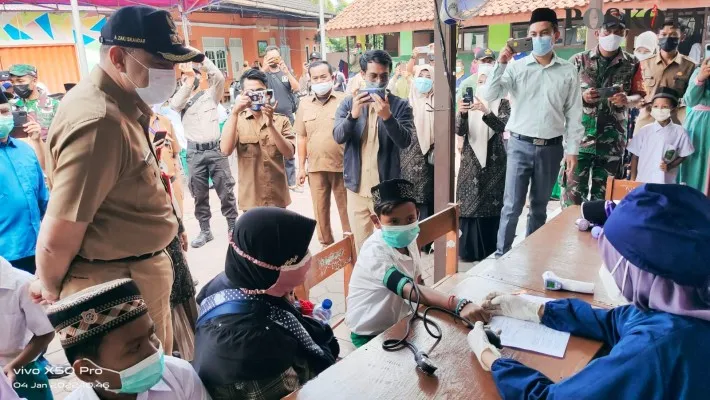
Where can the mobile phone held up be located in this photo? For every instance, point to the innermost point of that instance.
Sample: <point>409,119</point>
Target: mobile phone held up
<point>521,45</point>
<point>468,96</point>
<point>160,135</point>
<point>607,92</point>
<point>261,97</point>
<point>4,76</point>
<point>371,91</point>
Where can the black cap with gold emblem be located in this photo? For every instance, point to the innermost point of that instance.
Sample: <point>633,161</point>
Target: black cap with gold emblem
<point>150,29</point>
<point>485,53</point>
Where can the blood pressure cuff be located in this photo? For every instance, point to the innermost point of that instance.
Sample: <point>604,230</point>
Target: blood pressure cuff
<point>395,280</point>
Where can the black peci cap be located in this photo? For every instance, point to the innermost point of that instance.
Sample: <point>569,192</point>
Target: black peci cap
<point>394,190</point>
<point>150,29</point>
<point>544,15</point>
<point>315,56</point>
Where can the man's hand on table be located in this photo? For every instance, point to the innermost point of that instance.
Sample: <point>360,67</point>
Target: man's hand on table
<point>513,306</point>
<point>474,312</point>
<point>481,347</point>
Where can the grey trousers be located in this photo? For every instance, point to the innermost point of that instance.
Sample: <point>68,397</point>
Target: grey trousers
<point>530,166</point>
<point>201,165</point>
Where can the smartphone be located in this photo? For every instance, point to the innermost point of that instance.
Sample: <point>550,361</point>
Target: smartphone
<point>468,96</point>
<point>707,52</point>
<point>4,75</point>
<point>422,50</point>
<point>20,118</point>
<point>521,45</point>
<point>159,135</point>
<point>380,92</point>
<point>607,92</point>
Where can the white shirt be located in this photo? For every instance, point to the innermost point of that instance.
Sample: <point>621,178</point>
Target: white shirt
<point>548,100</point>
<point>696,53</point>
<point>180,382</point>
<point>651,143</point>
<point>20,318</point>
<point>371,307</point>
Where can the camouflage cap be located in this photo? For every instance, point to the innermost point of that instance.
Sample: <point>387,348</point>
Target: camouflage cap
<point>23,70</point>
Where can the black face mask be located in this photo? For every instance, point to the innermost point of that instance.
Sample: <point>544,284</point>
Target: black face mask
<point>23,91</point>
<point>668,44</point>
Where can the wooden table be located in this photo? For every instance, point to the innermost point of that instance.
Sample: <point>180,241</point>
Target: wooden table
<point>372,373</point>
<point>558,247</point>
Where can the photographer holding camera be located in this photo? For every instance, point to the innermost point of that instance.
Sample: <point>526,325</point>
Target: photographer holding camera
<point>262,139</point>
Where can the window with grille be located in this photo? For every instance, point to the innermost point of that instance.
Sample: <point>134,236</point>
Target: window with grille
<point>216,51</point>
<point>471,39</point>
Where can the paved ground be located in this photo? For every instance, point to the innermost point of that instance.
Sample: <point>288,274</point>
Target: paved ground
<point>208,261</point>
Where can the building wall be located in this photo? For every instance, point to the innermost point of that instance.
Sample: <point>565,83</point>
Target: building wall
<point>43,34</point>
<point>299,34</point>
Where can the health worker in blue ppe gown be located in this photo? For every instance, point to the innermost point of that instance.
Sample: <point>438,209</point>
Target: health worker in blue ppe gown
<point>656,252</point>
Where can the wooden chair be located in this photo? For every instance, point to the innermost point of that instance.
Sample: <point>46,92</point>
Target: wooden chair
<point>617,189</point>
<point>444,223</point>
<point>339,255</point>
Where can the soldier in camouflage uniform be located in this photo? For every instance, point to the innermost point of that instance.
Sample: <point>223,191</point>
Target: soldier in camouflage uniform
<point>40,108</point>
<point>605,117</point>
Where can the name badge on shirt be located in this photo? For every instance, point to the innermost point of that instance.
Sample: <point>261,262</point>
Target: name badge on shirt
<point>284,79</point>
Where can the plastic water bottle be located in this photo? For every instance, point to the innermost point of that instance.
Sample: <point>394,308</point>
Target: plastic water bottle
<point>323,311</point>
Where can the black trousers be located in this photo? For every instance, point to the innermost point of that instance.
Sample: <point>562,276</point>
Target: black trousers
<point>201,165</point>
<point>26,264</point>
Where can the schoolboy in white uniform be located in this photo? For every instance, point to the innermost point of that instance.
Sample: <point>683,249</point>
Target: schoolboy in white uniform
<point>387,266</point>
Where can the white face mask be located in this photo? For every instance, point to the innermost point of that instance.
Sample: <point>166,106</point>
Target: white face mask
<point>660,114</point>
<point>643,56</point>
<point>610,42</point>
<point>161,84</point>
<point>612,290</point>
<point>485,69</point>
<point>323,88</point>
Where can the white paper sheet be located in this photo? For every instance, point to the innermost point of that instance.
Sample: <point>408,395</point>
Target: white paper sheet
<point>529,335</point>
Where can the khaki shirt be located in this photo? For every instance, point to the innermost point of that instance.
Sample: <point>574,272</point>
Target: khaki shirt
<point>201,120</point>
<point>262,176</point>
<point>314,123</point>
<point>369,175</point>
<point>102,170</point>
<point>656,74</point>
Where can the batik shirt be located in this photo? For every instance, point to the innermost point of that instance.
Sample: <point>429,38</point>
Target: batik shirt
<point>604,123</point>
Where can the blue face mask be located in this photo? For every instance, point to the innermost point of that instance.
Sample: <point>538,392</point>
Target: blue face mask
<point>6,126</point>
<point>542,45</point>
<point>400,236</point>
<point>142,376</point>
<point>423,85</point>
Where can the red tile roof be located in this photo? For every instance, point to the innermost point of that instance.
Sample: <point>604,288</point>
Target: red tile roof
<point>371,13</point>
<point>501,7</point>
<point>381,13</point>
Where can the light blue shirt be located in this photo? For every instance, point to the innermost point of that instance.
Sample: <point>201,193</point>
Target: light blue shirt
<point>546,101</point>
<point>23,199</point>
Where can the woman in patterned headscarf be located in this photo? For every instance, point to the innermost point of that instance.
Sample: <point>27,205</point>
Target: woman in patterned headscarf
<point>251,342</point>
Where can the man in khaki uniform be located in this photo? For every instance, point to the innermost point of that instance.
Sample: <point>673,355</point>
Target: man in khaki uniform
<point>315,120</point>
<point>109,215</point>
<point>262,140</point>
<point>668,68</point>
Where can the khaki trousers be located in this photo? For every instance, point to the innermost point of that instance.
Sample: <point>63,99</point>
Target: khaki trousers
<point>153,276</point>
<point>359,211</point>
<point>322,185</point>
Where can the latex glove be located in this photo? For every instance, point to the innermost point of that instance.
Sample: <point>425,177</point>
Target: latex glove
<point>513,306</point>
<point>478,342</point>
